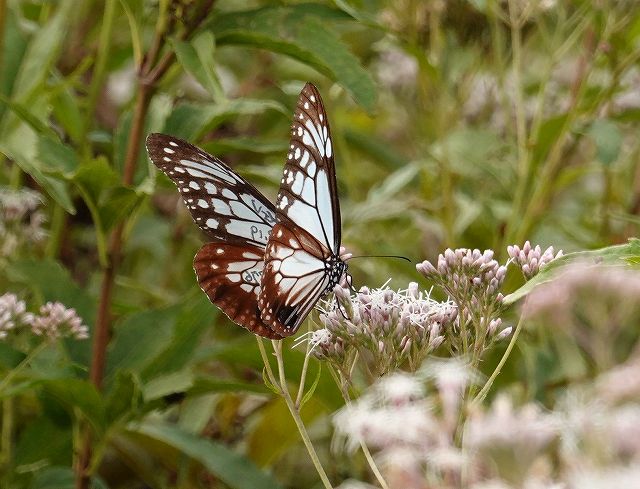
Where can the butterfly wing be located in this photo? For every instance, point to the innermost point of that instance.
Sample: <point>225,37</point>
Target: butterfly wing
<point>301,259</point>
<point>234,214</point>
<point>222,203</point>
<point>230,276</point>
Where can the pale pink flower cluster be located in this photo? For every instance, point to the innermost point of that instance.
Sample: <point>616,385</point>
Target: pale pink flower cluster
<point>13,313</point>
<point>20,221</point>
<point>406,420</point>
<point>473,280</point>
<point>531,259</point>
<point>386,327</point>
<point>54,321</point>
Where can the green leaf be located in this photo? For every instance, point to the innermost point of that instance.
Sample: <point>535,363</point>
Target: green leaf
<point>550,131</point>
<point>43,50</point>
<point>176,382</point>
<point>123,398</point>
<point>194,318</point>
<point>139,338</point>
<point>301,32</point>
<point>608,140</point>
<point>81,395</point>
<point>191,121</point>
<point>619,255</point>
<point>196,57</point>
<point>57,156</point>
<point>61,478</point>
<point>312,389</point>
<point>9,356</point>
<point>231,468</point>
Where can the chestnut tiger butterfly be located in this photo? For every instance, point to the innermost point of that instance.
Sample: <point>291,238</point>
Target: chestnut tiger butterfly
<point>266,266</point>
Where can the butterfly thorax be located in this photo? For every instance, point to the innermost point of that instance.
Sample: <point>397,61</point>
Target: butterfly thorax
<point>335,268</point>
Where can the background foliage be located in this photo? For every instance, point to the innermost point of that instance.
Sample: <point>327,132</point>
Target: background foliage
<point>464,124</point>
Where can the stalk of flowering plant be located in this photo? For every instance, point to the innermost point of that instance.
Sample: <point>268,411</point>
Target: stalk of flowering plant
<point>530,260</point>
<point>279,385</point>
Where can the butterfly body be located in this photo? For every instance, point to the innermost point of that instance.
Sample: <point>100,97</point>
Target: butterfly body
<point>267,265</point>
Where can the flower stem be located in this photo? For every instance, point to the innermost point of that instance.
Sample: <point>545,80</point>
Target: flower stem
<point>365,449</point>
<point>295,414</point>
<point>487,386</point>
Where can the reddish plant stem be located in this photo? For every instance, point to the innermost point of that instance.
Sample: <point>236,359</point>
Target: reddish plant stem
<point>149,74</point>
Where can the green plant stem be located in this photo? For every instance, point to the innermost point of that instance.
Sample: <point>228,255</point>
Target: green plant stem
<point>521,129</point>
<point>344,390</point>
<point>6,441</point>
<point>56,233</point>
<point>303,376</point>
<point>295,414</point>
<point>487,386</point>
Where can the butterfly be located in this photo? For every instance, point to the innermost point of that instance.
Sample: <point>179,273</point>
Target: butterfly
<point>266,266</point>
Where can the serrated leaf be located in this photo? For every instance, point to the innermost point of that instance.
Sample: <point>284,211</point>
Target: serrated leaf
<point>301,32</point>
<point>619,255</point>
<point>233,469</point>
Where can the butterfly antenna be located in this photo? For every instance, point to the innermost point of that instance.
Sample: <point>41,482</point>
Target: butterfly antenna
<point>382,256</point>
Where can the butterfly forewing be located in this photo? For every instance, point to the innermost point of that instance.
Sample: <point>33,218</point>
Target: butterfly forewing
<point>234,214</point>
<point>222,203</point>
<point>301,259</point>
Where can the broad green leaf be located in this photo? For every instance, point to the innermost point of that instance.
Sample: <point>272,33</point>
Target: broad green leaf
<point>9,356</point>
<point>57,156</point>
<point>30,449</point>
<point>43,50</point>
<point>19,142</point>
<point>231,468</point>
<point>608,140</point>
<point>191,121</point>
<point>618,255</point>
<point>123,398</point>
<point>13,48</point>
<point>176,382</point>
<point>301,32</point>
<point>194,319</point>
<point>196,57</point>
<point>139,338</point>
<point>81,395</point>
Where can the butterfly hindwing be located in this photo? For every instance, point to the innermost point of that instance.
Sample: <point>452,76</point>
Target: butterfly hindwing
<point>234,214</point>
<point>301,258</point>
<point>230,276</point>
<point>222,203</point>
